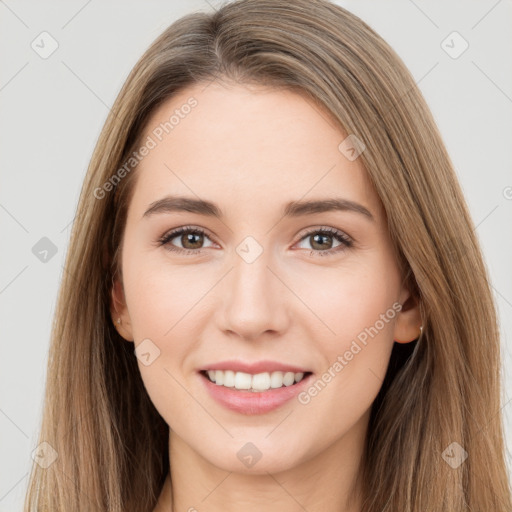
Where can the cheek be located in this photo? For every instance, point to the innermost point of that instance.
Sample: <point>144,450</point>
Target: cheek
<point>349,302</point>
<point>162,303</point>
<point>355,338</point>
<point>166,305</point>
<point>160,295</point>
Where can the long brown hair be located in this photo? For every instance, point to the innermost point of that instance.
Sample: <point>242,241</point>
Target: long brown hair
<point>110,440</point>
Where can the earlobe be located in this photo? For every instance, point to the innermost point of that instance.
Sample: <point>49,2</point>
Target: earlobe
<point>415,337</point>
<point>119,311</point>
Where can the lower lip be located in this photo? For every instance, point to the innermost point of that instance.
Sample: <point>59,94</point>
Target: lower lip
<point>253,402</point>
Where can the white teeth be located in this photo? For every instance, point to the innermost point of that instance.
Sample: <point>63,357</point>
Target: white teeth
<point>259,382</point>
<point>229,379</point>
<point>289,378</point>
<point>242,380</point>
<point>276,380</point>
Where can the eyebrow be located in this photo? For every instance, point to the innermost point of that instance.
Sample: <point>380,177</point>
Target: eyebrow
<point>170,204</point>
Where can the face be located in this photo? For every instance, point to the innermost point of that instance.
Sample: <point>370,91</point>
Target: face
<point>254,280</point>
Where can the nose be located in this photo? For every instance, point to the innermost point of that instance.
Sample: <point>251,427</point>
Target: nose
<point>256,303</point>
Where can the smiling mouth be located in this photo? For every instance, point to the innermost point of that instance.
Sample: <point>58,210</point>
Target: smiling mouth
<point>255,383</point>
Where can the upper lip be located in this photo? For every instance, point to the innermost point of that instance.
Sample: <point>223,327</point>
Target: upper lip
<point>254,367</point>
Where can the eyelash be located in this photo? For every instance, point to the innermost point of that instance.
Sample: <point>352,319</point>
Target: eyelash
<point>346,241</point>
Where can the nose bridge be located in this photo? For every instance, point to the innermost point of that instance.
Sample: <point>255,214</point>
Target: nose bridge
<point>253,303</point>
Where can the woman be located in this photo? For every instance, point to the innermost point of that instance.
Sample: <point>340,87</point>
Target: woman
<point>203,357</point>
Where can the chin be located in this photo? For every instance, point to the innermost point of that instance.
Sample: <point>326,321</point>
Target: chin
<point>257,455</point>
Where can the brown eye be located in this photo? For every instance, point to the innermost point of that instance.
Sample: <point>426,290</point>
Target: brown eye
<point>321,241</point>
<point>191,240</point>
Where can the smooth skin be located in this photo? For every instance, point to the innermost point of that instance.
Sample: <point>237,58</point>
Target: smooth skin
<point>251,150</point>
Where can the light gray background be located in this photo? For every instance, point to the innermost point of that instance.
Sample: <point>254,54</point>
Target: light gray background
<point>52,111</point>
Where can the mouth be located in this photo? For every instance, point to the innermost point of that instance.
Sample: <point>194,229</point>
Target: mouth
<point>256,387</point>
<point>254,383</point>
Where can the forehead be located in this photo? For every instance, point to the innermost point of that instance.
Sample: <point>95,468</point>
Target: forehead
<point>252,144</point>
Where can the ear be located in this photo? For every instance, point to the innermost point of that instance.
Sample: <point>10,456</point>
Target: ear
<point>408,322</point>
<point>119,311</point>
